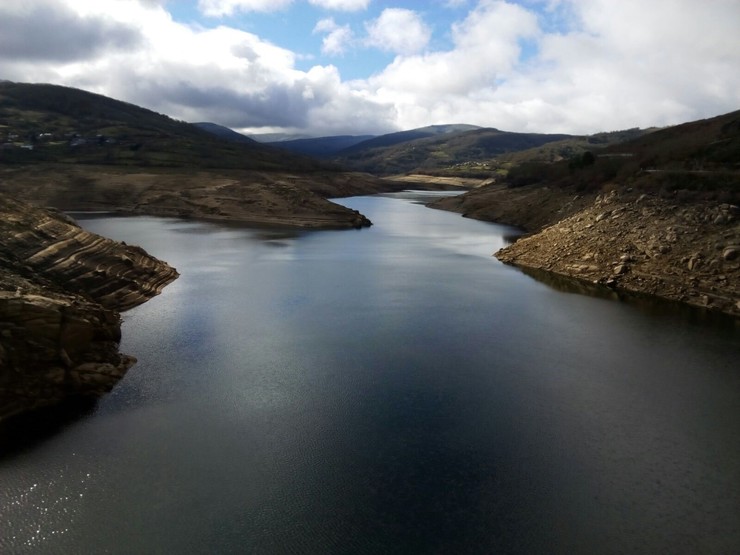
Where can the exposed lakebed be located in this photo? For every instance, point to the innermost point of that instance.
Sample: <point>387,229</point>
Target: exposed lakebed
<point>387,390</point>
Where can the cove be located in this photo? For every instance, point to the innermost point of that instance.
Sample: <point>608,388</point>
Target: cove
<point>388,390</point>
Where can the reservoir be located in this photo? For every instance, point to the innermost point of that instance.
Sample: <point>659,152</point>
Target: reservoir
<point>386,390</point>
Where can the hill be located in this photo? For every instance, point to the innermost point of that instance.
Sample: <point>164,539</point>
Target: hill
<point>321,147</point>
<point>701,156</point>
<point>224,132</point>
<point>347,148</point>
<point>433,149</point>
<point>658,214</point>
<point>51,123</point>
<point>400,137</point>
<point>77,150</point>
<point>572,147</point>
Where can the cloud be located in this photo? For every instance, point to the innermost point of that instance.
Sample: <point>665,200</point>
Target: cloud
<point>48,31</point>
<point>337,38</point>
<point>398,30</point>
<point>341,5</point>
<point>220,8</point>
<point>591,65</point>
<point>193,73</point>
<point>486,46</point>
<point>656,64</point>
<point>455,3</point>
<point>536,65</point>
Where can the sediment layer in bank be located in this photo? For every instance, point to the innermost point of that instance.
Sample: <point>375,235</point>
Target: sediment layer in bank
<point>61,291</point>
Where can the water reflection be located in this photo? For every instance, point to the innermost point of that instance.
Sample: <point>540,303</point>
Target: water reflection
<point>389,390</point>
<point>647,304</point>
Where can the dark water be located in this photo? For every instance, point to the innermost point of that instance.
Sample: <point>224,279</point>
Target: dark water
<point>389,390</point>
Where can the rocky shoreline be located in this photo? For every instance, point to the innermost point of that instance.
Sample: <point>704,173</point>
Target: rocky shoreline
<point>61,292</point>
<point>298,200</point>
<point>639,243</point>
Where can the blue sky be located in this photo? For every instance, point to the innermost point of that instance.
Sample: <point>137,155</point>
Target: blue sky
<point>327,67</point>
<point>293,27</point>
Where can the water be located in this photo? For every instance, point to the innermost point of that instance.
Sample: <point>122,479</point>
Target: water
<point>388,390</point>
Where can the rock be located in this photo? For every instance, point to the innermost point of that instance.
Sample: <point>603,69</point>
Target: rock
<point>731,253</point>
<point>694,262</point>
<point>661,251</point>
<point>61,290</point>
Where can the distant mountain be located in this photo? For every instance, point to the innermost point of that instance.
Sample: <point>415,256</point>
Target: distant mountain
<point>433,148</point>
<point>224,132</point>
<point>51,123</point>
<point>550,152</point>
<point>322,147</point>
<point>400,137</point>
<point>278,137</point>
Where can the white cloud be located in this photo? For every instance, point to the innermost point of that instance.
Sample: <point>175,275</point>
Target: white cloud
<point>616,65</point>
<point>341,5</point>
<point>455,3</point>
<point>219,8</point>
<point>638,64</point>
<point>485,47</point>
<point>538,65</point>
<point>337,38</point>
<point>197,74</point>
<point>398,30</point>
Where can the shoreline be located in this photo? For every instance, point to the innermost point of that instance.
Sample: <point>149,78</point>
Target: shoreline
<point>639,244</point>
<point>62,290</point>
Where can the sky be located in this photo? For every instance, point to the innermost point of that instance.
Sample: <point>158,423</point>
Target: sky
<point>335,67</point>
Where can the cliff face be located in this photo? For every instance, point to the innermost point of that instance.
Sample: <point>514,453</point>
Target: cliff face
<point>60,292</point>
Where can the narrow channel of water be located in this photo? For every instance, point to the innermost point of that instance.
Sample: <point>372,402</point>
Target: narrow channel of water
<point>388,390</point>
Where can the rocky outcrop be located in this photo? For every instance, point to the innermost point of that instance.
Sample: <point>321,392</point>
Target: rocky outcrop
<point>61,290</point>
<point>688,252</point>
